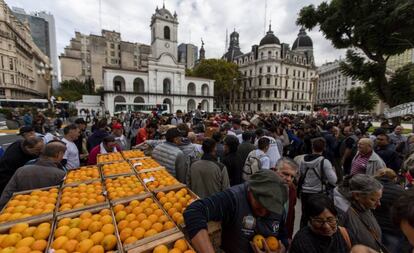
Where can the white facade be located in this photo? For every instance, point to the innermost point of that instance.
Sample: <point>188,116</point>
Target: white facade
<point>333,87</point>
<point>164,81</point>
<point>275,77</point>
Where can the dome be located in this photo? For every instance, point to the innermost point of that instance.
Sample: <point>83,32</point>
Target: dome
<point>164,12</point>
<point>269,38</point>
<point>303,40</point>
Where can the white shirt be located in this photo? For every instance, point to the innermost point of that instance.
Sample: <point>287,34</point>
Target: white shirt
<point>264,160</point>
<point>122,142</point>
<point>71,155</point>
<point>273,151</point>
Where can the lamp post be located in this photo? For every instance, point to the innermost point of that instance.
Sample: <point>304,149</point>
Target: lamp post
<point>47,73</point>
<point>314,81</point>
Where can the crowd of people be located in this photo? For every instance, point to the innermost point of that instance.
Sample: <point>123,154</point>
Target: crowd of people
<point>354,186</point>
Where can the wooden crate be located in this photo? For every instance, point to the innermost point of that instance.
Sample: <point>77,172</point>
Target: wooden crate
<point>83,208</point>
<point>85,181</point>
<point>148,239</point>
<point>121,158</point>
<point>137,162</point>
<point>167,241</point>
<point>162,188</point>
<point>118,174</point>
<point>93,210</point>
<point>146,191</point>
<point>127,156</point>
<point>34,217</point>
<point>4,228</point>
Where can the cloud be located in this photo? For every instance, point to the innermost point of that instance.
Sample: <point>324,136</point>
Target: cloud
<point>207,19</point>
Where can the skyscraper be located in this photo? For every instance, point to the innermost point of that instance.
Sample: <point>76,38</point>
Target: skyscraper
<point>42,29</point>
<point>188,54</point>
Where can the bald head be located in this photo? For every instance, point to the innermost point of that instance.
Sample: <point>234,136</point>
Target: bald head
<point>365,146</point>
<point>54,151</point>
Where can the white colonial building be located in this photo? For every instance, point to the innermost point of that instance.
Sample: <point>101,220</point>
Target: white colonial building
<point>275,77</point>
<point>333,87</point>
<point>163,81</point>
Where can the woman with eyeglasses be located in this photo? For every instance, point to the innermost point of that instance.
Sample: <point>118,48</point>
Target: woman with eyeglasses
<point>322,233</point>
<point>365,194</point>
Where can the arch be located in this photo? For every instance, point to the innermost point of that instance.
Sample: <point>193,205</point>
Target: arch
<point>191,105</point>
<point>191,89</point>
<point>167,33</point>
<point>119,83</point>
<point>139,100</point>
<point>205,90</point>
<point>166,84</point>
<point>204,105</point>
<point>169,103</point>
<point>119,99</point>
<point>139,86</point>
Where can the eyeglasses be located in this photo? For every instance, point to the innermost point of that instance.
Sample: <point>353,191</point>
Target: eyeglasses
<point>333,221</point>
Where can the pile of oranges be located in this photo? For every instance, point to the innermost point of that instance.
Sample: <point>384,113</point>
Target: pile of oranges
<point>140,219</point>
<point>133,154</point>
<point>123,186</point>
<point>175,203</point>
<point>158,179</point>
<point>26,205</point>
<point>81,195</point>
<point>144,164</point>
<point>88,233</point>
<point>110,157</point>
<point>22,238</point>
<point>82,174</point>
<point>116,168</point>
<point>180,246</point>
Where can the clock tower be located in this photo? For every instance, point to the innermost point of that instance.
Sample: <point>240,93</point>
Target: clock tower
<point>164,33</point>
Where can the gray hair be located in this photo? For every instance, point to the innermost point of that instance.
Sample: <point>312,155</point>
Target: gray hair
<point>285,160</point>
<point>364,184</point>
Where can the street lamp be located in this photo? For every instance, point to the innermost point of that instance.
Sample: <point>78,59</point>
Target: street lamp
<point>314,81</point>
<point>47,73</point>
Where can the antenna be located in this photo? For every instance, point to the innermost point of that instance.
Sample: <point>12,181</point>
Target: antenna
<point>100,15</point>
<point>119,22</point>
<point>163,4</point>
<point>265,18</point>
<point>189,34</point>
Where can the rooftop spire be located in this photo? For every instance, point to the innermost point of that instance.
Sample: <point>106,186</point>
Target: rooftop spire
<point>163,4</point>
<point>270,25</point>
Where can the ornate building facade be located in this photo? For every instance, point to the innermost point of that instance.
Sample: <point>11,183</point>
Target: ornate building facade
<point>275,77</point>
<point>162,80</point>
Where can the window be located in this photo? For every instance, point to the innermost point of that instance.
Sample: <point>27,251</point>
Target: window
<point>303,74</point>
<point>112,53</point>
<point>294,72</point>
<point>268,80</point>
<point>166,32</point>
<point>303,85</point>
<point>297,95</point>
<point>250,82</point>
<point>12,79</point>
<point>259,93</point>
<point>287,71</point>
<point>276,70</point>
<point>167,86</point>
<point>268,69</point>
<point>259,107</point>
<point>286,94</point>
<point>260,70</point>
<point>294,84</point>
<point>260,81</point>
<point>274,107</point>
<point>261,55</point>
<point>286,84</point>
<point>267,93</point>
<point>112,45</point>
<point>251,72</point>
<point>11,63</point>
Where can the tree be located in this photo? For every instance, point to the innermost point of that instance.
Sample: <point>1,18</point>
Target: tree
<point>72,90</point>
<point>225,75</point>
<point>402,85</point>
<point>361,99</point>
<point>372,30</point>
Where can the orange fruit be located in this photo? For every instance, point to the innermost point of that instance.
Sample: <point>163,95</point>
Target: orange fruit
<point>125,233</point>
<point>150,232</point>
<point>85,215</point>
<point>130,240</point>
<point>97,249</point>
<point>95,226</point>
<point>146,224</point>
<point>108,229</point>
<point>153,218</point>
<point>138,233</point>
<point>258,240</point>
<point>23,249</point>
<point>168,225</point>
<point>122,224</point>
<point>70,246</point>
<point>39,245</point>
<point>160,249</point>
<point>157,227</point>
<point>273,243</point>
<point>109,242</point>
<point>181,244</point>
<point>97,237</point>
<point>133,224</point>
<point>84,246</point>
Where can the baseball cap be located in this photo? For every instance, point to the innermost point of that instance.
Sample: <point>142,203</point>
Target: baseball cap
<point>25,129</point>
<point>269,190</point>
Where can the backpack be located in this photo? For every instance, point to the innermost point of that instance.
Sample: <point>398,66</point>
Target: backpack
<point>326,187</point>
<point>252,165</point>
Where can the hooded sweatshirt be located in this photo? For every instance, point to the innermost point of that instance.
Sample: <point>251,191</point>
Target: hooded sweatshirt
<point>312,182</point>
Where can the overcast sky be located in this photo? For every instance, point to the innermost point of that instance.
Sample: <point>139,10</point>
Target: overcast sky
<point>197,18</point>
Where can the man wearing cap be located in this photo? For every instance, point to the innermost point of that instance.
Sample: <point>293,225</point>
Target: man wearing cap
<point>120,139</point>
<point>27,132</point>
<point>256,207</point>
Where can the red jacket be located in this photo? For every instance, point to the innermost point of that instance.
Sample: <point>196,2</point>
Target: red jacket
<point>92,158</point>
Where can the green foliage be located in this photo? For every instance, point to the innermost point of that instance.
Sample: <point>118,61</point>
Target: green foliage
<point>361,99</point>
<point>72,90</point>
<point>224,73</point>
<point>376,28</point>
<point>401,85</point>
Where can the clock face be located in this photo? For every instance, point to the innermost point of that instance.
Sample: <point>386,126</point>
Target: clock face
<point>167,45</point>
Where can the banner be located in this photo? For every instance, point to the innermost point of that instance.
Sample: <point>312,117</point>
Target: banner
<point>400,110</point>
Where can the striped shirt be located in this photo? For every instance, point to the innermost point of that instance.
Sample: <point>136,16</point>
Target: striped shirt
<point>359,166</point>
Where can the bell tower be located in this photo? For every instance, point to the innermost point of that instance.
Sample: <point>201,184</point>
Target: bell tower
<point>164,28</point>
